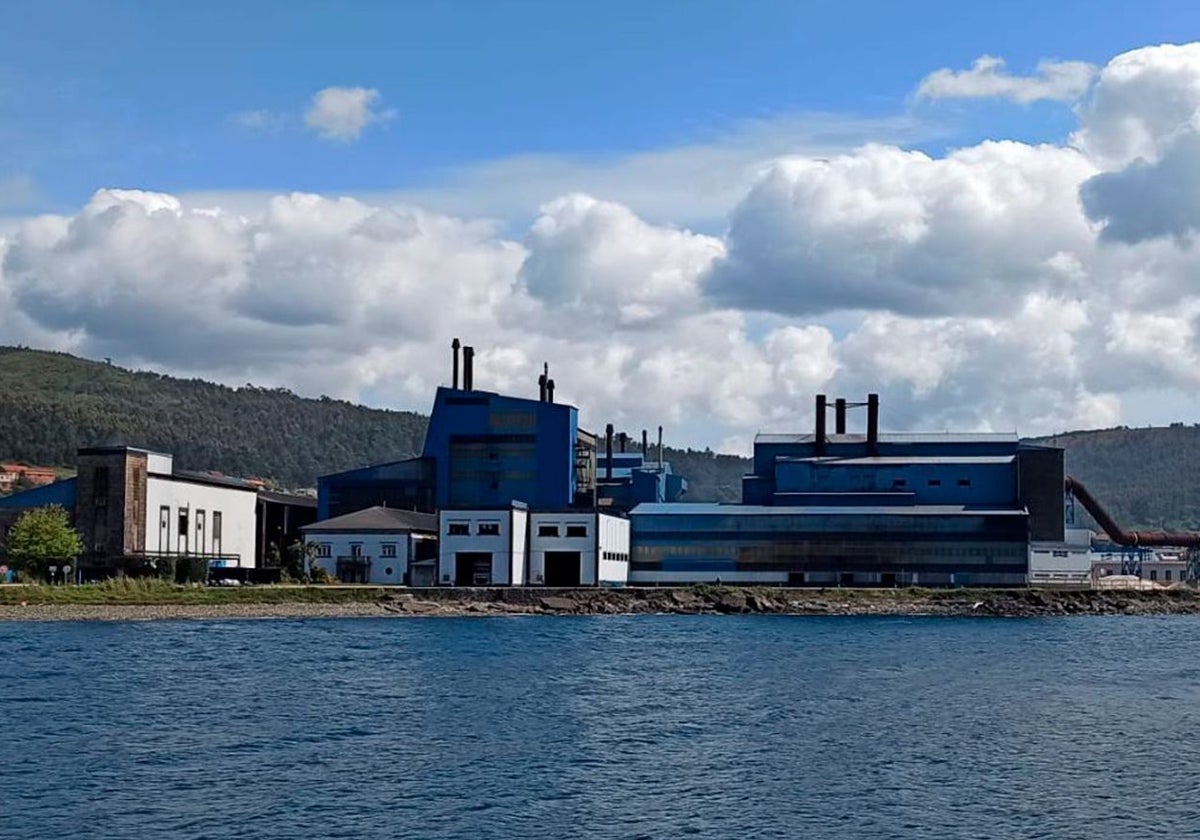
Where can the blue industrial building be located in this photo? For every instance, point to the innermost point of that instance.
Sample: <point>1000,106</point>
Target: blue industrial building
<point>864,509</point>
<point>485,450</point>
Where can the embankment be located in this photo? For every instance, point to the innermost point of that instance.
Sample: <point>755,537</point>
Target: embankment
<point>114,602</point>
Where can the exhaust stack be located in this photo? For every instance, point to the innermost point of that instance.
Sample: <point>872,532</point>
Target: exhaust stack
<point>608,453</point>
<point>454,345</point>
<point>468,368</point>
<point>839,414</point>
<point>819,430</point>
<point>873,424</point>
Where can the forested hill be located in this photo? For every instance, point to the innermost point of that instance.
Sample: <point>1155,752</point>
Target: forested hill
<point>51,404</point>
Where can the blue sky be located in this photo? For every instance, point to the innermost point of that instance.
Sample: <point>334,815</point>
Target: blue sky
<point>700,213</point>
<point>143,94</point>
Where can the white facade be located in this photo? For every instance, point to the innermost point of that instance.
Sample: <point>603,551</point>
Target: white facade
<point>1068,563</point>
<point>482,547</point>
<point>578,549</point>
<point>191,517</point>
<point>385,557</point>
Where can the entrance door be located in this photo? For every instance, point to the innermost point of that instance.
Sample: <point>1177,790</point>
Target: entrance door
<point>472,568</point>
<point>562,568</point>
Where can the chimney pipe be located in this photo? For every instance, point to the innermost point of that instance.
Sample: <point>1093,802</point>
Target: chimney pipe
<point>819,431</point>
<point>608,437</point>
<point>468,368</point>
<point>454,345</point>
<point>839,412</point>
<point>660,449</point>
<point>542,380</point>
<point>623,439</point>
<point>549,390</point>
<point>873,424</point>
<point>645,448</point>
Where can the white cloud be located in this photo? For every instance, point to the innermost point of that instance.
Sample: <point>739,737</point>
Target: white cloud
<point>1064,81</point>
<point>1001,286</point>
<point>259,121</point>
<point>343,113</point>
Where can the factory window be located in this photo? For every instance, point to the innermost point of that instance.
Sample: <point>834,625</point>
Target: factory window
<point>576,530</point>
<point>964,482</point>
<point>899,482</point>
<point>182,531</point>
<point>935,482</point>
<point>548,531</point>
<point>1167,574</point>
<point>216,532</point>
<point>1059,553</point>
<point>488,529</point>
<point>100,487</point>
<point>200,546</point>
<point>387,550</point>
<point>1154,574</point>
<point>324,550</point>
<point>458,529</point>
<point>164,528</point>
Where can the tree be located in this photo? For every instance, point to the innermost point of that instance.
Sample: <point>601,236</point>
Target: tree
<point>42,537</point>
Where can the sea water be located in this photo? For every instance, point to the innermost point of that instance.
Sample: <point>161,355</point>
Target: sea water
<point>557,727</point>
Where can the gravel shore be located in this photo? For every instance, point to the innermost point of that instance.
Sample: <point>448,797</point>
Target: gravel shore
<point>701,600</point>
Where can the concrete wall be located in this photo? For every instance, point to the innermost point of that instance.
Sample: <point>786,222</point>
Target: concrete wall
<point>613,550</point>
<point>236,506</point>
<point>506,545</point>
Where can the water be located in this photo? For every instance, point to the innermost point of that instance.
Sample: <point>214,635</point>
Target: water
<point>601,727</point>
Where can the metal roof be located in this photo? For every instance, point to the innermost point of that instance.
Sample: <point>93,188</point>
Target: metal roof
<point>377,519</point>
<point>716,508</point>
<point>895,437</point>
<point>888,460</point>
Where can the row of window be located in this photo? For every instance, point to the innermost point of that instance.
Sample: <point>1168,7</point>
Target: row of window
<point>616,555</point>
<point>205,543</point>
<point>933,482</point>
<point>489,528</point>
<point>572,530</point>
<point>356,550</point>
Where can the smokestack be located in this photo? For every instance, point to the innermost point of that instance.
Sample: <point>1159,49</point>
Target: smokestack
<point>623,439</point>
<point>872,424</point>
<point>542,381</point>
<point>454,345</point>
<point>549,390</point>
<point>468,368</point>
<point>645,448</point>
<point>839,413</point>
<point>608,436</point>
<point>819,431</point>
<point>660,449</point>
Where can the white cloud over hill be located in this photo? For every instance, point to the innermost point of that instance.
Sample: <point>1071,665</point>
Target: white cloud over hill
<point>1002,286</point>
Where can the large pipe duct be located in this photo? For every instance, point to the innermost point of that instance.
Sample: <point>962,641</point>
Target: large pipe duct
<point>873,424</point>
<point>839,415</point>
<point>819,429</point>
<point>608,454</point>
<point>454,345</point>
<point>1180,539</point>
<point>468,368</point>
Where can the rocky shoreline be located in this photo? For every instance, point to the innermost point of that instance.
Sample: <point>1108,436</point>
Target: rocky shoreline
<point>449,602</point>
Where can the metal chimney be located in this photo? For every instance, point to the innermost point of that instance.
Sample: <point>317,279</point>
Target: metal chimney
<point>819,430</point>
<point>873,424</point>
<point>608,459</point>
<point>542,380</point>
<point>454,345</point>
<point>549,390</point>
<point>468,368</point>
<point>839,413</point>
<point>645,447</point>
<point>623,440</point>
<point>660,448</point>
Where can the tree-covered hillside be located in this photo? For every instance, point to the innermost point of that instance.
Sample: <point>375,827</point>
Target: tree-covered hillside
<point>51,404</point>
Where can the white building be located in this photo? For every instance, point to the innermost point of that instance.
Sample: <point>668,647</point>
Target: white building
<point>193,513</point>
<point>377,545</point>
<point>578,548</point>
<point>483,547</point>
<point>1068,563</point>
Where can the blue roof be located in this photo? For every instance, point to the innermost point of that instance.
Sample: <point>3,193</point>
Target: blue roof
<point>718,509</point>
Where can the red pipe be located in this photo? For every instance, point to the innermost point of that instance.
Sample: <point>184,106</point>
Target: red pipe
<point>1181,539</point>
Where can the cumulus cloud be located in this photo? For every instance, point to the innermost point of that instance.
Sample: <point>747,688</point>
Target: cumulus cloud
<point>997,287</point>
<point>1064,81</point>
<point>343,113</point>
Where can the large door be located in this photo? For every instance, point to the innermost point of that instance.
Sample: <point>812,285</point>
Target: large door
<point>472,568</point>
<point>562,568</point>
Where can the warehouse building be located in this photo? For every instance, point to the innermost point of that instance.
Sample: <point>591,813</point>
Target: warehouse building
<point>578,548</point>
<point>865,509</point>
<point>483,547</point>
<point>378,545</point>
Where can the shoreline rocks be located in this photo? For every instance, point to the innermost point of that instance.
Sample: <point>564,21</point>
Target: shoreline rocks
<point>700,600</point>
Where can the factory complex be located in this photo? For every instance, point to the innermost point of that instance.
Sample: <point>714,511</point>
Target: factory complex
<point>511,491</point>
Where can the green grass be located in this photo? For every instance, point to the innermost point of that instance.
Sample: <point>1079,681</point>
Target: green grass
<point>155,592</point>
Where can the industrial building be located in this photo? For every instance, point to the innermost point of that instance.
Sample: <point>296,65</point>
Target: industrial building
<point>866,509</point>
<point>130,503</point>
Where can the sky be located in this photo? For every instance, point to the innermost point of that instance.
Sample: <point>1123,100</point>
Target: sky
<point>700,214</point>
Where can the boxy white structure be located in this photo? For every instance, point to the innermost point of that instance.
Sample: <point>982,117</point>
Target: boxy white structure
<point>578,548</point>
<point>376,545</point>
<point>1068,563</point>
<point>190,513</point>
<point>483,547</point>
